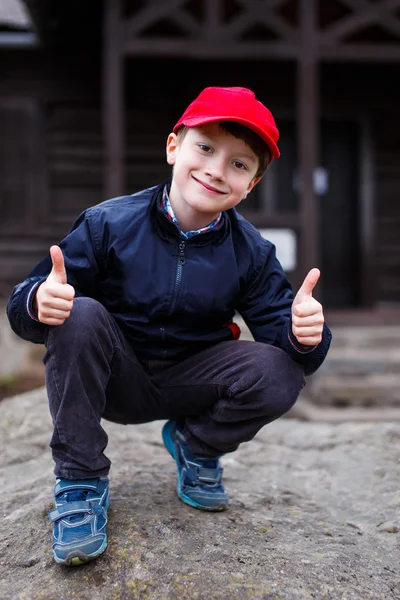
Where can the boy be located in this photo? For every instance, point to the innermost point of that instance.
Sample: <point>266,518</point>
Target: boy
<point>136,306</point>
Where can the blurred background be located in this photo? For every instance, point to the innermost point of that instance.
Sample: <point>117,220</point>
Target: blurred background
<point>90,90</point>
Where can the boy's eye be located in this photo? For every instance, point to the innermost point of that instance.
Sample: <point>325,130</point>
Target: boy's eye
<point>239,165</point>
<point>204,147</point>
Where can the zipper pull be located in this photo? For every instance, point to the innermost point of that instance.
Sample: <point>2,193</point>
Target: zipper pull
<point>182,258</point>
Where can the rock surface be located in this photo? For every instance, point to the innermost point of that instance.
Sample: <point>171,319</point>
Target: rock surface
<point>314,514</point>
<point>12,349</point>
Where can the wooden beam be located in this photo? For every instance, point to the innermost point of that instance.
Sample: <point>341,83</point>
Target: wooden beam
<point>308,136</point>
<point>360,19</point>
<point>367,166</point>
<point>149,15</point>
<point>360,52</point>
<point>186,22</point>
<point>255,13</point>
<point>392,25</point>
<point>213,18</point>
<point>271,3</point>
<point>233,49</point>
<point>113,104</point>
<point>214,49</point>
<point>389,22</point>
<point>223,42</point>
<point>212,27</point>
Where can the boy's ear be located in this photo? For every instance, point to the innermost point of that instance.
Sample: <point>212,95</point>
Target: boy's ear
<point>171,148</point>
<point>252,184</point>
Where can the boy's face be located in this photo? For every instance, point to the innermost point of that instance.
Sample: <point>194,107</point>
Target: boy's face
<point>213,171</point>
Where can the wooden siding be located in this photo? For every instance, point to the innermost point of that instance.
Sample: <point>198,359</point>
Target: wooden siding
<point>76,158</point>
<point>387,241</point>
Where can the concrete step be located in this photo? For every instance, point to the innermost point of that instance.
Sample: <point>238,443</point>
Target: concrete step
<point>362,362</point>
<point>373,390</point>
<point>362,369</point>
<point>361,372</point>
<point>365,339</point>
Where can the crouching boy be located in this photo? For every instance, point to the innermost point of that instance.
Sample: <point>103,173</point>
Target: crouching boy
<point>136,309</point>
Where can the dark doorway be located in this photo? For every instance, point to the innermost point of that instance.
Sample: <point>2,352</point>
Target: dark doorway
<point>339,210</point>
<point>276,203</point>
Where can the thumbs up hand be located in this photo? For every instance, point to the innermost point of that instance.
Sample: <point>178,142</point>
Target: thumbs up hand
<point>54,297</point>
<point>307,313</point>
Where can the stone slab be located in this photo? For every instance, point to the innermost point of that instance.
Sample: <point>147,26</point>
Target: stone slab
<point>314,514</point>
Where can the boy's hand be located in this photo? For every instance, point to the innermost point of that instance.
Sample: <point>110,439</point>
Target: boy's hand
<point>54,297</point>
<point>307,313</point>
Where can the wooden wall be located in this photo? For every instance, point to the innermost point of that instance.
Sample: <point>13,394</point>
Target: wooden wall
<point>387,139</point>
<point>63,99</point>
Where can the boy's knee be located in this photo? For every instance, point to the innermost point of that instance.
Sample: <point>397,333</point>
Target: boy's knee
<point>275,362</point>
<point>86,313</point>
<point>288,368</point>
<point>87,316</point>
<point>290,380</point>
<point>85,308</point>
<point>275,377</point>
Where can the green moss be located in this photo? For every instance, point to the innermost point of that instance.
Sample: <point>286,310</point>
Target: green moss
<point>8,380</point>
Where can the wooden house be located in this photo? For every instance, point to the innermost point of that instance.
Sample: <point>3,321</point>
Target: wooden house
<point>91,90</point>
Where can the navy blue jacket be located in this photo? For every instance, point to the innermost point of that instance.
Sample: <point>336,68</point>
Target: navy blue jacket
<point>170,297</point>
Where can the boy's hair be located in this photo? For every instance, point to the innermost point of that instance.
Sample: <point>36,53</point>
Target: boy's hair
<point>245,134</point>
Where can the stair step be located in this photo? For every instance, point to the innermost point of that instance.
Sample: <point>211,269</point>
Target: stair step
<point>361,364</point>
<point>360,374</point>
<point>376,389</point>
<point>366,338</point>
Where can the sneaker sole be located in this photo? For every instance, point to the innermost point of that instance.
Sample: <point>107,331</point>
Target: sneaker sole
<point>170,446</point>
<point>77,558</point>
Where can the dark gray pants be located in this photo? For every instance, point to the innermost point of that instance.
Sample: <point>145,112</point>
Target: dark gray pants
<point>225,394</point>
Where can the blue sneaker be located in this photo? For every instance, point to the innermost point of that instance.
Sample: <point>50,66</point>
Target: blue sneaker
<point>199,480</point>
<point>79,518</point>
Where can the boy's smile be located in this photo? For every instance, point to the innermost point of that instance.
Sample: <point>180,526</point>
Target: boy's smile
<point>213,171</point>
<point>209,187</point>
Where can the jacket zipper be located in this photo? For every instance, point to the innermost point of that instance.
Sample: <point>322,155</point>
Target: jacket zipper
<point>178,279</point>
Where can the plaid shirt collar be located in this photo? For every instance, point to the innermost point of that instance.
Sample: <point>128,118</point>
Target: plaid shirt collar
<point>167,209</point>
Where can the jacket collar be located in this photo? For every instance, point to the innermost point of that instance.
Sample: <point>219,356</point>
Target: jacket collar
<point>168,230</point>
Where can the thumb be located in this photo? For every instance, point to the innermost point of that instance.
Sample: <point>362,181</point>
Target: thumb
<point>308,286</point>
<point>58,269</point>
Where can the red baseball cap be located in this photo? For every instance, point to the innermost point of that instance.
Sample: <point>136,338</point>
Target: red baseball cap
<point>232,104</point>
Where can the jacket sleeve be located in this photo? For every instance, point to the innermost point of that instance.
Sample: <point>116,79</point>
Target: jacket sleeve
<point>81,264</point>
<point>266,310</point>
